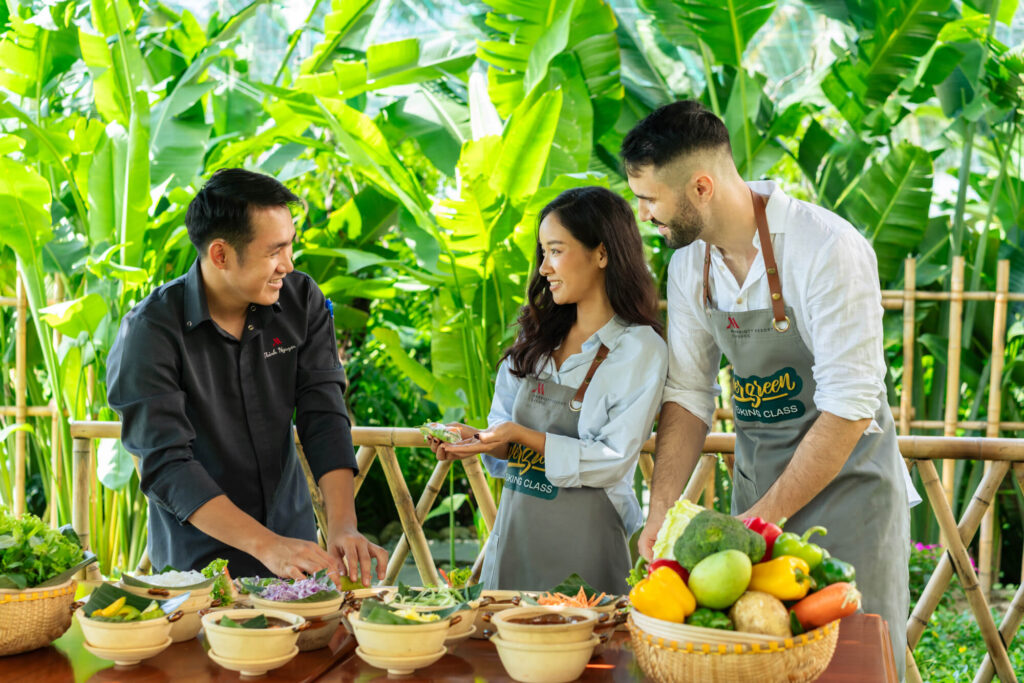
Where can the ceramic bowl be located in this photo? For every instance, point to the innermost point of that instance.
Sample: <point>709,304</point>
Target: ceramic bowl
<point>400,640</point>
<point>544,662</point>
<point>400,666</point>
<point>544,633</point>
<point>253,667</point>
<point>128,657</point>
<point>323,618</point>
<point>252,645</point>
<point>129,635</point>
<point>188,626</point>
<point>502,600</point>
<point>459,629</point>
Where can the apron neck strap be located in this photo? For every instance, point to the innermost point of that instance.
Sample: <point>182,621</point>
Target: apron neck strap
<point>780,321</point>
<point>577,401</point>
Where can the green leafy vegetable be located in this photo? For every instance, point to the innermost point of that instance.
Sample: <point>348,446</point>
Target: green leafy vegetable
<point>572,585</point>
<point>259,621</point>
<point>437,596</point>
<point>638,572</point>
<point>440,432</point>
<point>222,586</point>
<point>32,553</point>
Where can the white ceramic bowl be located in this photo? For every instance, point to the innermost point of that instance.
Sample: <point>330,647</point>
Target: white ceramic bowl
<point>255,644</point>
<point>188,626</point>
<point>129,635</point>
<point>462,627</point>
<point>502,601</point>
<point>253,667</point>
<point>544,662</point>
<point>399,640</point>
<point>303,609</point>
<point>545,633</point>
<point>128,657</point>
<point>400,666</point>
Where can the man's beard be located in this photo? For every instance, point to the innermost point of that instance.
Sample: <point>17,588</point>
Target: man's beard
<point>685,227</point>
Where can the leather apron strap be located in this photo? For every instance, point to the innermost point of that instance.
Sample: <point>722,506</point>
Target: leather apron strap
<point>577,401</point>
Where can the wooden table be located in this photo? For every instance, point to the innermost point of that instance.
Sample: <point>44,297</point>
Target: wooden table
<point>863,655</point>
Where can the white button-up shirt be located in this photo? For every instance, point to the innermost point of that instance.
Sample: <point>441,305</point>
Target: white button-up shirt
<point>829,276</point>
<point>618,411</point>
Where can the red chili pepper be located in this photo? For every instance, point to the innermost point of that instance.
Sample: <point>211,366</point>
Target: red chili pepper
<point>673,565</point>
<point>769,531</point>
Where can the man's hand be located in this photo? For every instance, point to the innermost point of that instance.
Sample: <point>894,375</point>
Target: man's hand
<point>645,544</point>
<point>293,558</point>
<point>353,554</point>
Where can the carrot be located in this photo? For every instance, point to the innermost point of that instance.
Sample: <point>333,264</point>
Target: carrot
<point>832,602</point>
<point>578,600</point>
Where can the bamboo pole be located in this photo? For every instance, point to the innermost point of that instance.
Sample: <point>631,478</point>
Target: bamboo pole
<point>647,467</point>
<point>478,566</point>
<point>407,515</point>
<point>913,675</point>
<point>481,491</point>
<point>995,407</point>
<point>964,570</point>
<point>20,394</point>
<point>30,411</point>
<point>709,488</point>
<point>1008,629</point>
<point>956,305</point>
<point>896,295</point>
<point>909,325</point>
<point>704,469</point>
<point>80,449</point>
<point>426,502</point>
<point>939,580</point>
<point>56,470</point>
<point>364,460</point>
<point>316,496</point>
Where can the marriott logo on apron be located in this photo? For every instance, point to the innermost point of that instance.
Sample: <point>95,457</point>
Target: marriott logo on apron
<point>768,399</point>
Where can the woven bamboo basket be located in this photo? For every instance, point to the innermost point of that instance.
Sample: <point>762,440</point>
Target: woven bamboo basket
<point>691,657</point>
<point>34,617</point>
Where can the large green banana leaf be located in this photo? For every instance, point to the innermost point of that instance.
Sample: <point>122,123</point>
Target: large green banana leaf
<point>32,55</point>
<point>725,26</point>
<point>889,204</point>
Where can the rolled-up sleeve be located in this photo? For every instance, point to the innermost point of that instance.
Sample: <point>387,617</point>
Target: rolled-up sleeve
<point>694,357</point>
<point>506,386</point>
<point>616,417</point>
<point>321,416</point>
<point>844,313</point>
<point>143,388</point>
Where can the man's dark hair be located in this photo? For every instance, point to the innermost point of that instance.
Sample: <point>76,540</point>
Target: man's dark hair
<point>671,131</point>
<point>222,208</point>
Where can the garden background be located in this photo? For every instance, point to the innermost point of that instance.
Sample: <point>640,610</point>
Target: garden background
<point>426,136</point>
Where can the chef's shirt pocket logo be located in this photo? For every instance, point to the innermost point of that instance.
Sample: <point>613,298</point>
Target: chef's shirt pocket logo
<point>768,399</point>
<point>278,348</point>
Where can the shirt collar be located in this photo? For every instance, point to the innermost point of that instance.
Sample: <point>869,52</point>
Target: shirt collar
<point>775,209</point>
<point>196,308</point>
<point>607,335</point>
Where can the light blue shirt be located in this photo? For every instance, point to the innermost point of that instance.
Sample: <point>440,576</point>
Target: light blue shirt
<point>616,418</point>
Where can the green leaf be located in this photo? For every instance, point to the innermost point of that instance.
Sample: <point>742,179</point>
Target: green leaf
<point>343,18</point>
<point>435,389</point>
<point>114,464</point>
<point>75,316</point>
<point>526,144</point>
<point>890,206</point>
<point>447,504</point>
<point>725,27</point>
<point>24,203</point>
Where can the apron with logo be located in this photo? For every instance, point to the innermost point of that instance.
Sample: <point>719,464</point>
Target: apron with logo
<point>544,533</point>
<point>865,507</point>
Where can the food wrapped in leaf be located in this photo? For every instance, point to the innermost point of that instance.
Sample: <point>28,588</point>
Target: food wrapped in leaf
<point>440,432</point>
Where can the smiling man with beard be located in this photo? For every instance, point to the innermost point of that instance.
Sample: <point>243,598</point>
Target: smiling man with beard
<point>789,293</point>
<point>207,373</point>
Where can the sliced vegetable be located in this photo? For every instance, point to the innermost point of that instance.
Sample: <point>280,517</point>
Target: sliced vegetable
<point>663,595</point>
<point>785,578</point>
<point>578,600</point>
<point>830,603</point>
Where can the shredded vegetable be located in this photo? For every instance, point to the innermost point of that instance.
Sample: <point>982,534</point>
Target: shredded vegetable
<point>295,590</point>
<point>578,600</point>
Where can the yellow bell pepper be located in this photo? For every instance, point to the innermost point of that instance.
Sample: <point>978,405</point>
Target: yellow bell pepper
<point>663,595</point>
<point>786,578</point>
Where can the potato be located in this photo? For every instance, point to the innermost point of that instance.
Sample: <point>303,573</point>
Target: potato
<point>757,612</point>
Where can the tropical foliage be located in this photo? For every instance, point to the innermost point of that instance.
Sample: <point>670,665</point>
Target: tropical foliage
<point>424,161</point>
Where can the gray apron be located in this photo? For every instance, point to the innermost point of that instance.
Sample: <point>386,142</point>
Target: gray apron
<point>544,533</point>
<point>865,508</point>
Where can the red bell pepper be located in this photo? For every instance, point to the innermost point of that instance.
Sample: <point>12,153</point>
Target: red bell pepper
<point>769,531</point>
<point>674,566</point>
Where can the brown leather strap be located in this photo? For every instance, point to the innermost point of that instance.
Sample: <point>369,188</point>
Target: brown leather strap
<point>577,401</point>
<point>781,322</point>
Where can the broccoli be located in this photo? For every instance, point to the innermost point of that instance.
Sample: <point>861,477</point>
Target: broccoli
<point>711,532</point>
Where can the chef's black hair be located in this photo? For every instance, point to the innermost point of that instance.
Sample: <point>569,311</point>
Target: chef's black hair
<point>671,131</point>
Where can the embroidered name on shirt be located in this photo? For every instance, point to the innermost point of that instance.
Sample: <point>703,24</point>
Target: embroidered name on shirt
<point>278,350</point>
<point>768,399</point>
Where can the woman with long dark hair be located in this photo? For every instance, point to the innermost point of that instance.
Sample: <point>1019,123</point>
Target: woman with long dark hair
<point>574,401</point>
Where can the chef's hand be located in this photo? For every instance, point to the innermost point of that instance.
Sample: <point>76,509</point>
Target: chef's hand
<point>645,544</point>
<point>293,558</point>
<point>353,554</point>
<point>465,431</point>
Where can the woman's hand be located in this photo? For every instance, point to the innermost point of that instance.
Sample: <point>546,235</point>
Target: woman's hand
<point>465,431</point>
<point>493,442</point>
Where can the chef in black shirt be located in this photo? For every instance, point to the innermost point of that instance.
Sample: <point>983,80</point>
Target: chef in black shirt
<point>208,373</point>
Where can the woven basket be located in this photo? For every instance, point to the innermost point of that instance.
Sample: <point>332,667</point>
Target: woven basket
<point>34,617</point>
<point>785,660</point>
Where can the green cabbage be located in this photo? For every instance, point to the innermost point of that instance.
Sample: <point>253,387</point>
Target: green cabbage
<point>676,521</point>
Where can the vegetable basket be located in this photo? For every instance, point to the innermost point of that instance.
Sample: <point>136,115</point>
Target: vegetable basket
<point>34,617</point>
<point>669,652</point>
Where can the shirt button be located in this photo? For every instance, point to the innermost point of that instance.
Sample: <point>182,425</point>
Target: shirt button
<point>252,308</point>
<point>250,327</point>
<point>188,323</point>
<point>739,299</point>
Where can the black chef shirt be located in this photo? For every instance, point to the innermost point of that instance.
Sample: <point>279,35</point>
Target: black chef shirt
<point>209,414</point>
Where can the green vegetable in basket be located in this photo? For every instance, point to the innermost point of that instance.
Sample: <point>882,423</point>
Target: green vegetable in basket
<point>32,553</point>
<point>710,618</point>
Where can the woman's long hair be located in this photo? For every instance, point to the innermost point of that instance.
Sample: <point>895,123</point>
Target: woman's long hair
<point>594,216</point>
